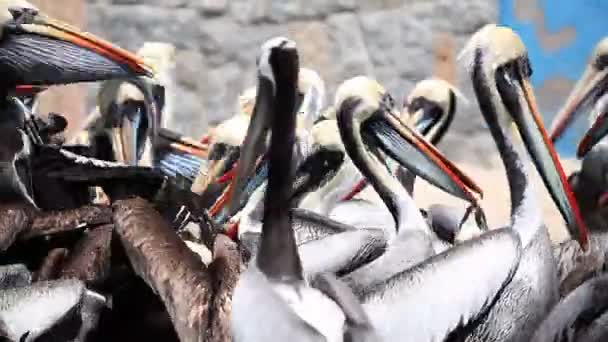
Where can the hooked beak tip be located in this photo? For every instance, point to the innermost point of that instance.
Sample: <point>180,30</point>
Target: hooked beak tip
<point>233,231</point>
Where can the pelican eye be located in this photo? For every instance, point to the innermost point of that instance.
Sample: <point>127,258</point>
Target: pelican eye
<point>387,102</point>
<point>23,15</point>
<point>601,62</point>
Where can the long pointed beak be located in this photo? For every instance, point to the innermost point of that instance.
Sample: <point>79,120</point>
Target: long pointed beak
<point>254,144</point>
<point>580,98</point>
<point>413,152</point>
<point>547,162</point>
<point>219,211</point>
<point>124,142</point>
<point>52,52</point>
<point>595,134</point>
<point>182,143</point>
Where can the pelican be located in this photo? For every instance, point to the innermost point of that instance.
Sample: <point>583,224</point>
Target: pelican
<point>500,71</point>
<point>274,287</point>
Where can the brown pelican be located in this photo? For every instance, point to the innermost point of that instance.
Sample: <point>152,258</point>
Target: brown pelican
<point>274,286</point>
<point>499,70</point>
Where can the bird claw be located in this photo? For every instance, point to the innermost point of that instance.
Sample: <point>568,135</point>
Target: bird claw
<point>480,216</point>
<point>183,217</point>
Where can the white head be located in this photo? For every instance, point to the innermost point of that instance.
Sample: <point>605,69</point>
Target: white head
<point>437,91</point>
<point>498,44</point>
<point>430,107</point>
<point>494,47</point>
<point>600,52</point>
<point>370,93</point>
<point>264,63</point>
<point>161,57</point>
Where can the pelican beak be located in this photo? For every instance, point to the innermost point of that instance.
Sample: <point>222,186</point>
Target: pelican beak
<point>220,210</point>
<point>597,132</point>
<point>588,88</point>
<point>221,160</point>
<point>52,52</point>
<point>254,144</point>
<point>413,152</point>
<point>545,158</point>
<point>28,90</point>
<point>182,143</point>
<point>125,133</point>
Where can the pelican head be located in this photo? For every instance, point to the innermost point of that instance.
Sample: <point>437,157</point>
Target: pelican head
<point>500,70</point>
<point>430,108</point>
<point>38,50</point>
<point>587,91</point>
<point>312,90</point>
<point>366,116</point>
<point>129,116</point>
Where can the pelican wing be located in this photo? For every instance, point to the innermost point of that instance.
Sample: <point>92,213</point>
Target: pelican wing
<point>429,301</point>
<point>596,331</point>
<point>343,252</point>
<point>592,296</point>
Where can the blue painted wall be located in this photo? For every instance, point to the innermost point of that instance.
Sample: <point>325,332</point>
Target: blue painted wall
<point>588,19</point>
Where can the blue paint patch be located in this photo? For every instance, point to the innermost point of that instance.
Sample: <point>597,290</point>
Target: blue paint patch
<point>588,20</point>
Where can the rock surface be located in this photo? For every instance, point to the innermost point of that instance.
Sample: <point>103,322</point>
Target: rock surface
<point>217,42</point>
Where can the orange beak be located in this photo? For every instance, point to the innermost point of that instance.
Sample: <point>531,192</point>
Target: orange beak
<point>547,162</point>
<point>52,52</point>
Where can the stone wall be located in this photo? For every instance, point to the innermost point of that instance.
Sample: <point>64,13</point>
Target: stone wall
<point>397,41</point>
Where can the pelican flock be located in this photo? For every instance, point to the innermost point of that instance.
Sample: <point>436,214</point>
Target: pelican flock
<point>261,230</point>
